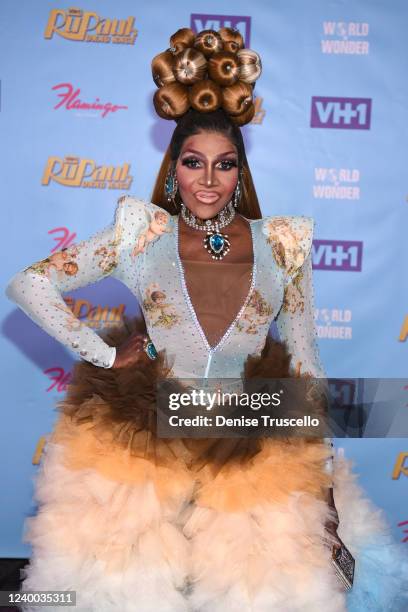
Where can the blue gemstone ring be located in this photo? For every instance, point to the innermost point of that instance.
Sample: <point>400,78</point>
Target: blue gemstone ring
<point>149,348</point>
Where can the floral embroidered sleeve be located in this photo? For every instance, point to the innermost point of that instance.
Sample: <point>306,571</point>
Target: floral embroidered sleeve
<point>38,288</point>
<point>291,243</point>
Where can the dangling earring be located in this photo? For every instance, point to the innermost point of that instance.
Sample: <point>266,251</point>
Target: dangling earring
<point>237,193</point>
<point>171,185</point>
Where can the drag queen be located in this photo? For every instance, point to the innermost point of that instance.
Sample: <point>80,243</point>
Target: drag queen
<point>138,523</point>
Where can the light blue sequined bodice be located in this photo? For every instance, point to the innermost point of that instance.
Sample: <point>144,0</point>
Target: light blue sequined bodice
<point>172,321</point>
<point>140,248</point>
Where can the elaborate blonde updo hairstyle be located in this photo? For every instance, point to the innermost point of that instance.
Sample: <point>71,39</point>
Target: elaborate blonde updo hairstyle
<point>206,71</point>
<point>205,83</point>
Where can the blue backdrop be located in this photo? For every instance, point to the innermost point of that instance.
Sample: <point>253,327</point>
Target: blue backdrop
<point>328,140</point>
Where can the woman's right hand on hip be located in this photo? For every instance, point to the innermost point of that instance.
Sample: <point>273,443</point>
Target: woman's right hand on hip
<point>132,352</point>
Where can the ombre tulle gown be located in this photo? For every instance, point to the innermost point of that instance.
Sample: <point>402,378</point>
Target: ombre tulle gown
<point>138,523</point>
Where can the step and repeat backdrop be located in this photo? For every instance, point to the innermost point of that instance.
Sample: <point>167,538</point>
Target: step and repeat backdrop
<point>328,140</point>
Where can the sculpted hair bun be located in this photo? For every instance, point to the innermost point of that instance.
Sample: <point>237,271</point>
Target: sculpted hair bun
<point>244,117</point>
<point>237,98</point>
<point>171,101</point>
<point>182,39</point>
<point>232,39</point>
<point>208,42</point>
<point>206,96</point>
<point>251,66</point>
<point>205,72</point>
<point>162,68</point>
<point>190,66</point>
<point>224,68</point>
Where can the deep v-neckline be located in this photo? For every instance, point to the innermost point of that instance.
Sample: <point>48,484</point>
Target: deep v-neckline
<point>187,297</point>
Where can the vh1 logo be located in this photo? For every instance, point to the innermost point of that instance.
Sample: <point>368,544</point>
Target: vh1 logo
<point>341,113</point>
<point>343,255</point>
<point>199,22</point>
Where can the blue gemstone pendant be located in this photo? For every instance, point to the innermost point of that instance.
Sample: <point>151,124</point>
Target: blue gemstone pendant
<point>217,244</point>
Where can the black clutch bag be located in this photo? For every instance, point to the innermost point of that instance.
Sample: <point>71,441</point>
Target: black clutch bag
<point>344,564</point>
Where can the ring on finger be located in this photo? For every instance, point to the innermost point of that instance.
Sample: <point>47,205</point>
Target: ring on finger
<point>149,348</point>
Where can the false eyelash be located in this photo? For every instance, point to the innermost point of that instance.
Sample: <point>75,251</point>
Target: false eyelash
<point>187,160</point>
<point>232,163</point>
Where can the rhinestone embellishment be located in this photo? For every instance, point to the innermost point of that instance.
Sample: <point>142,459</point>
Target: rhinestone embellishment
<point>216,243</point>
<point>212,349</point>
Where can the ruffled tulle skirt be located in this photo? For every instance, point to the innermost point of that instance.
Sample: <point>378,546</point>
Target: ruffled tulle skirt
<point>137,523</point>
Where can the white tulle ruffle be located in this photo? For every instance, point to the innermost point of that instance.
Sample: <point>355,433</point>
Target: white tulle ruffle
<point>120,547</point>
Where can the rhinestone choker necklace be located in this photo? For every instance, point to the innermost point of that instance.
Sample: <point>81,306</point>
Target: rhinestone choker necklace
<point>216,243</point>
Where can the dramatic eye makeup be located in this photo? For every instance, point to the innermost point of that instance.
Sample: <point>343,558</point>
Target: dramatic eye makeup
<point>228,164</point>
<point>224,164</point>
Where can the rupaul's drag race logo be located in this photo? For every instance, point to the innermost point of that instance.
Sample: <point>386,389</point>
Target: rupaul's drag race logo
<point>345,255</point>
<point>39,450</point>
<point>336,184</point>
<point>75,172</point>
<point>95,316</point>
<point>401,466</point>
<point>340,113</point>
<point>345,37</point>
<point>87,26</point>
<point>70,100</point>
<point>404,330</point>
<point>204,21</point>
<point>333,323</point>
